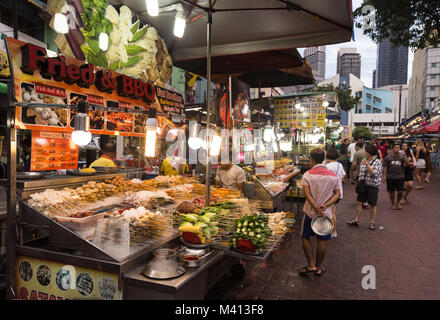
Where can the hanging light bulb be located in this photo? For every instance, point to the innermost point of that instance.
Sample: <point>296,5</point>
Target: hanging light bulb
<point>81,138</point>
<point>325,104</point>
<point>194,141</point>
<point>268,134</point>
<point>103,41</point>
<point>81,123</point>
<point>60,23</point>
<point>297,106</point>
<point>153,7</point>
<point>215,145</point>
<point>179,25</point>
<point>150,137</point>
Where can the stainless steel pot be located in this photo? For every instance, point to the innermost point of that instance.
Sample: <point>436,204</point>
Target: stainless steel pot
<point>164,265</point>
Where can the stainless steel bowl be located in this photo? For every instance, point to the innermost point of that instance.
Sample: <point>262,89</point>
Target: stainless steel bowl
<point>30,175</point>
<point>322,225</point>
<point>106,169</point>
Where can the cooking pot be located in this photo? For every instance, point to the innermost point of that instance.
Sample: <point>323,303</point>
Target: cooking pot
<point>164,265</point>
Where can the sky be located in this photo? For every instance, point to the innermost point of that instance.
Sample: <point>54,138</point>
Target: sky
<point>365,46</point>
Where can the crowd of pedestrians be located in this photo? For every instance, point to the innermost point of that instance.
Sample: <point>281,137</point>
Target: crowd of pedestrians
<point>366,165</point>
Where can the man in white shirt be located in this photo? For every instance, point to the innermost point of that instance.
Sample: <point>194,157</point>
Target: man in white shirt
<point>351,151</point>
<point>230,176</point>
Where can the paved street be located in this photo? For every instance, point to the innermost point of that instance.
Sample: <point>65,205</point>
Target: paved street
<point>405,254</point>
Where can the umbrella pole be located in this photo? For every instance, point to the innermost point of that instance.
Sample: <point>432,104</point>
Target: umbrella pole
<point>208,99</point>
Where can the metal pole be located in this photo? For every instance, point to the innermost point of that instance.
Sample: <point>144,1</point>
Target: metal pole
<point>208,99</point>
<point>11,200</point>
<point>15,18</point>
<point>400,104</point>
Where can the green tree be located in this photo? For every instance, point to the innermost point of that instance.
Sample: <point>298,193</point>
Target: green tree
<point>407,23</point>
<point>363,133</point>
<point>345,99</point>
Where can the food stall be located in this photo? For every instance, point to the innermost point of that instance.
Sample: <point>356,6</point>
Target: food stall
<point>97,235</point>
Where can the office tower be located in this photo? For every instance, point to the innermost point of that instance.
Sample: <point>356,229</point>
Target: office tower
<point>374,79</point>
<point>349,61</point>
<point>316,58</point>
<point>391,64</point>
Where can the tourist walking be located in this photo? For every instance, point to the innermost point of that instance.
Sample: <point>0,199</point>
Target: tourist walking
<point>343,159</point>
<point>370,178</point>
<point>334,166</point>
<point>351,151</point>
<point>408,171</point>
<point>357,159</point>
<point>428,161</point>
<point>393,173</point>
<point>420,163</point>
<point>321,190</point>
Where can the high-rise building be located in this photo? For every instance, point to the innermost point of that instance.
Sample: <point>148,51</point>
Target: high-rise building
<point>316,58</point>
<point>374,79</point>
<point>423,88</point>
<point>349,61</point>
<point>391,64</point>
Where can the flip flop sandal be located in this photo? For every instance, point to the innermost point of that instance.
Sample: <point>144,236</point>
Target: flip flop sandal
<point>306,271</point>
<point>399,207</point>
<point>353,223</point>
<point>320,272</point>
<point>372,226</point>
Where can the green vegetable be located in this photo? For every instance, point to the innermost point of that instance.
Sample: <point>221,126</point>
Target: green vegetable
<point>132,50</point>
<point>205,220</point>
<point>131,61</point>
<point>139,34</point>
<point>190,217</point>
<point>201,225</point>
<point>135,27</point>
<point>239,224</point>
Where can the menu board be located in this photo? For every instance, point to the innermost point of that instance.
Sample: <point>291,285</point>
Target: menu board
<point>286,114</point>
<point>53,151</point>
<point>171,102</point>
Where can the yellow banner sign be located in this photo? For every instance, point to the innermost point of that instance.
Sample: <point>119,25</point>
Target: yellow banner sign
<point>47,280</point>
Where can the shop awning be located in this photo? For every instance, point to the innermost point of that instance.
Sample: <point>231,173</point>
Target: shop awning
<point>276,68</point>
<point>251,25</point>
<point>431,128</point>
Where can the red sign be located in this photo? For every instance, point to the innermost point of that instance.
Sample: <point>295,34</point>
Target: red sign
<point>53,91</point>
<point>53,151</point>
<point>96,100</point>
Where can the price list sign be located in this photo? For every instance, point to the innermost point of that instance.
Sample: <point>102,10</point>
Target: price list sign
<point>53,151</point>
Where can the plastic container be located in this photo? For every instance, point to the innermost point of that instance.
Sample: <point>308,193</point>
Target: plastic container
<point>84,227</point>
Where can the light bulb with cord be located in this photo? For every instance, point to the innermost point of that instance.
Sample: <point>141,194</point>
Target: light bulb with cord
<point>81,135</point>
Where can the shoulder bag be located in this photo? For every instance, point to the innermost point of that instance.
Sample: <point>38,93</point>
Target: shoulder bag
<point>361,187</point>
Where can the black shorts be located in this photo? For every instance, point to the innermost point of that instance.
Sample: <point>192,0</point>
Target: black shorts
<point>370,195</point>
<point>395,185</point>
<point>409,173</point>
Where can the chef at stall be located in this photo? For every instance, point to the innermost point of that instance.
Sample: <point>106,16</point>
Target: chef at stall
<point>108,153</point>
<point>230,175</point>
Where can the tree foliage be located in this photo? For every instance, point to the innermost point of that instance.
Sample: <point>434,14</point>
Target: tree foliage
<point>407,23</point>
<point>345,99</point>
<point>363,133</point>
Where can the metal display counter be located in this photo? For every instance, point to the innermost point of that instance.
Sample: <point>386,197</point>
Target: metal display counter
<point>58,248</point>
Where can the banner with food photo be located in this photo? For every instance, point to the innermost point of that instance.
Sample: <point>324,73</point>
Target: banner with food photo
<point>134,50</point>
<point>65,80</point>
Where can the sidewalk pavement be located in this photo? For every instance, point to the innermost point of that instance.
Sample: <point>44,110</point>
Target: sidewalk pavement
<point>405,254</point>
